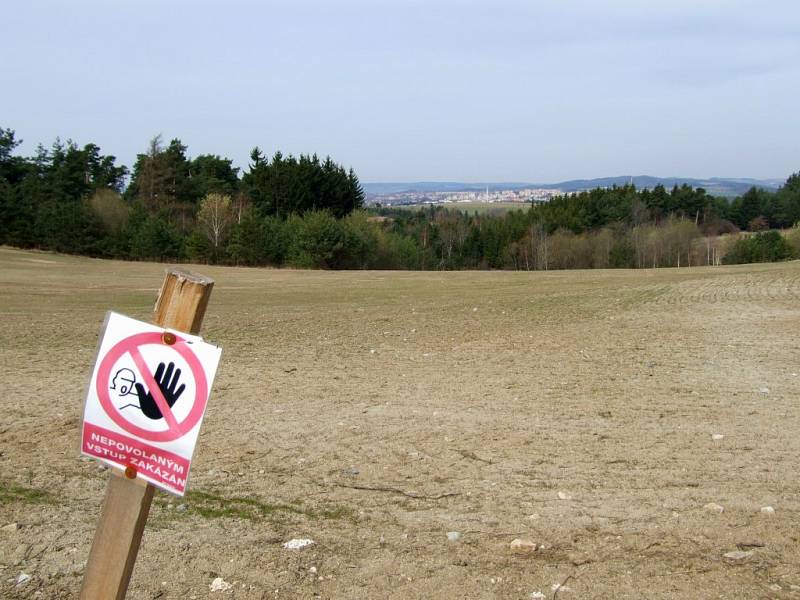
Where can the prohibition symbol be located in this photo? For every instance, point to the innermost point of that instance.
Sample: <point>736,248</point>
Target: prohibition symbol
<point>132,346</point>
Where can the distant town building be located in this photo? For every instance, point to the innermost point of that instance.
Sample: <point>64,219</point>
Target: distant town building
<point>523,195</point>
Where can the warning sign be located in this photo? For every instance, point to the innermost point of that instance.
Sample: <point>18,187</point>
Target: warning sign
<point>146,400</point>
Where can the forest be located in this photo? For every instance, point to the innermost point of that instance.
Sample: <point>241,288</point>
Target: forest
<point>307,212</point>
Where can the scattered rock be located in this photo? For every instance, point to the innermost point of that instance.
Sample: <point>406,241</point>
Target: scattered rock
<point>219,585</point>
<point>564,496</point>
<point>22,579</point>
<point>352,471</point>
<point>767,510</point>
<point>454,536</point>
<point>523,547</point>
<point>717,437</point>
<point>298,544</point>
<point>182,507</point>
<point>558,587</point>
<point>764,390</point>
<point>714,507</point>
<point>312,570</point>
<point>536,596</point>
<point>738,554</point>
<point>9,527</point>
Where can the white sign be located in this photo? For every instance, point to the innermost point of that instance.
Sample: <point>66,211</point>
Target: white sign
<point>146,400</point>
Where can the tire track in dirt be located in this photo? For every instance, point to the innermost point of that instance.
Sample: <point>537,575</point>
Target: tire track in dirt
<point>721,289</point>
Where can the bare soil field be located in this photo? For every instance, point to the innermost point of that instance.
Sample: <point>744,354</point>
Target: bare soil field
<point>374,412</point>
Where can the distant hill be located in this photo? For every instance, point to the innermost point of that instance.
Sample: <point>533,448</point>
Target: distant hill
<point>719,186</point>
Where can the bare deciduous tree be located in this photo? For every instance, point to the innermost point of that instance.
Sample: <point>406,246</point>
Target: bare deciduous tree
<point>215,217</point>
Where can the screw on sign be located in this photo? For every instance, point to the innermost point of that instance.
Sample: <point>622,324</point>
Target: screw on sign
<point>146,400</point>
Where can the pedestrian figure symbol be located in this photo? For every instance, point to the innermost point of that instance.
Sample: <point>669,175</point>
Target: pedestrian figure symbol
<point>123,383</point>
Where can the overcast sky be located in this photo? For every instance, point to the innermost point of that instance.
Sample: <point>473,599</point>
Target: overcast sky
<point>505,90</point>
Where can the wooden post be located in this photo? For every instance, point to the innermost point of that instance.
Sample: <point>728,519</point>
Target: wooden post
<point>181,305</point>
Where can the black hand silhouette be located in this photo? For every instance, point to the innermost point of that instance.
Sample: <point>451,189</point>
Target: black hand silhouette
<point>166,383</point>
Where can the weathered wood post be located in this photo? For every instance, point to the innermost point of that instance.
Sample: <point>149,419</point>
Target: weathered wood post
<point>181,305</point>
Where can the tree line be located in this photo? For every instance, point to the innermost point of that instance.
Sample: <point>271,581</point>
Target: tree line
<point>307,212</point>
<point>75,199</point>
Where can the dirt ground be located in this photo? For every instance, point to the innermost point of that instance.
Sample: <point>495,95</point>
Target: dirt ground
<point>375,412</point>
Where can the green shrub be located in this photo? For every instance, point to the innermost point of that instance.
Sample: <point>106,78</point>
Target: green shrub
<point>769,246</point>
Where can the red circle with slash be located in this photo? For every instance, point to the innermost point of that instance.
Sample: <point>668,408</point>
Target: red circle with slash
<point>131,345</point>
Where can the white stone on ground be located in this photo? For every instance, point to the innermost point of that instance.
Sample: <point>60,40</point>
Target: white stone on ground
<point>519,546</point>
<point>219,585</point>
<point>298,544</point>
<point>738,554</point>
